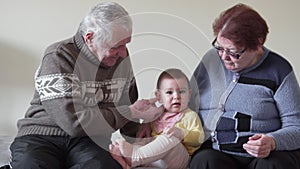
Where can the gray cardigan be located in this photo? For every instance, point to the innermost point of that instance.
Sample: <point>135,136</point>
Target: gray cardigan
<point>264,98</point>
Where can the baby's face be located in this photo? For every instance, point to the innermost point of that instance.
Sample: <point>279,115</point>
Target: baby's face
<point>174,94</point>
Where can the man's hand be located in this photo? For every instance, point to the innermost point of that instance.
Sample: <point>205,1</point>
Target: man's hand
<point>260,145</point>
<point>144,134</point>
<point>146,110</point>
<point>174,131</point>
<point>144,131</point>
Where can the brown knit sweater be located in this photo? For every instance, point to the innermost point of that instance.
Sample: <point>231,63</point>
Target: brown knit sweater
<point>75,95</point>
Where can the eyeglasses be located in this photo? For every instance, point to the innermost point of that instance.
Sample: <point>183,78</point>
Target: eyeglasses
<point>235,55</point>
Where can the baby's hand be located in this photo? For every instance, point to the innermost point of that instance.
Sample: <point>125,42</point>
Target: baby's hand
<point>174,131</point>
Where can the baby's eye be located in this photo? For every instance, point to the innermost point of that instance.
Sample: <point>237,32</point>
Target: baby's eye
<point>169,92</point>
<point>182,91</point>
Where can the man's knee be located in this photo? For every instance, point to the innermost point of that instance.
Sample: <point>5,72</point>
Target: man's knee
<point>29,161</point>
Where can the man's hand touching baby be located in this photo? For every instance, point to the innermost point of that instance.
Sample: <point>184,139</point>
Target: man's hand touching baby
<point>146,110</point>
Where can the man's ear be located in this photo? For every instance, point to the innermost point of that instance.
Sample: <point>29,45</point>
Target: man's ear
<point>158,96</point>
<point>89,38</point>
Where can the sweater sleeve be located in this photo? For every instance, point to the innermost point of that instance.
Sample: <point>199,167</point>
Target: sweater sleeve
<point>61,95</point>
<point>194,135</point>
<point>287,100</point>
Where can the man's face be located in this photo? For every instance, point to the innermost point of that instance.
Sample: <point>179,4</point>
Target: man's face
<point>109,52</point>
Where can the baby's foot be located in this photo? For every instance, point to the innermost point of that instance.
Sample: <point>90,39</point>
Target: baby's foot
<point>116,154</point>
<point>126,150</point>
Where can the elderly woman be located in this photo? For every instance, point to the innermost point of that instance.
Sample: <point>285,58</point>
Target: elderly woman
<point>248,98</point>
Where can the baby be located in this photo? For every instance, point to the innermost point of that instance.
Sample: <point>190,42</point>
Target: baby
<point>177,133</point>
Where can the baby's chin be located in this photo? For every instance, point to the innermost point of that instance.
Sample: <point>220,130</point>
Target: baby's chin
<point>177,110</point>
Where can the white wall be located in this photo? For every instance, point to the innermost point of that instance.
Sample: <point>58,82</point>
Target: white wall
<point>167,33</point>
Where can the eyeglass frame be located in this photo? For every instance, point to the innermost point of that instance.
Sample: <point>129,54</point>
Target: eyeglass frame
<point>235,55</point>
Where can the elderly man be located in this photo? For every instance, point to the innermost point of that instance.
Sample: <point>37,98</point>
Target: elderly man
<point>84,90</point>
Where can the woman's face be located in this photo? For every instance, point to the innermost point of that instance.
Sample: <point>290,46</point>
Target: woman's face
<point>246,59</point>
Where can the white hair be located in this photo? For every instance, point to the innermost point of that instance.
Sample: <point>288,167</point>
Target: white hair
<point>102,18</point>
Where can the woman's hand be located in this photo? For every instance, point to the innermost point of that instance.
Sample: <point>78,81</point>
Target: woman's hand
<point>260,145</point>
